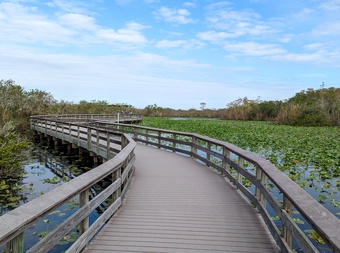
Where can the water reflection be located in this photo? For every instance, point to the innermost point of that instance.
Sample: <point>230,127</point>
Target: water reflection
<point>47,168</point>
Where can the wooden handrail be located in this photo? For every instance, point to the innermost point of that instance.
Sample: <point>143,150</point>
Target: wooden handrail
<point>117,148</point>
<point>234,163</point>
<point>113,118</point>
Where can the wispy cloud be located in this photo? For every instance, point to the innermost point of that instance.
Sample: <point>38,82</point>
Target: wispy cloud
<point>21,24</point>
<point>214,36</point>
<point>185,44</point>
<point>69,6</point>
<point>330,5</point>
<point>175,16</point>
<point>254,49</point>
<point>239,23</point>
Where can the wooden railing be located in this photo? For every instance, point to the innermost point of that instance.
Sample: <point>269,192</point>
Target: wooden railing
<point>243,168</point>
<point>117,148</point>
<point>88,118</point>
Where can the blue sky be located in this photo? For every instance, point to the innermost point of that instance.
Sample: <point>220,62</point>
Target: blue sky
<point>172,53</point>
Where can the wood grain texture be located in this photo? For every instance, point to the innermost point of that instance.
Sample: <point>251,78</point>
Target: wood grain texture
<point>175,204</point>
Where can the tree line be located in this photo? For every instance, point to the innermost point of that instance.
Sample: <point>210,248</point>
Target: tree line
<point>307,108</point>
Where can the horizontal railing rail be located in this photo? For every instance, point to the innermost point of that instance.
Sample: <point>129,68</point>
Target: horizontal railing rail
<point>117,148</point>
<point>244,168</point>
<point>113,118</point>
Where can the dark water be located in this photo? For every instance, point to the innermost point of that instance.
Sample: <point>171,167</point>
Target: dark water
<point>47,168</point>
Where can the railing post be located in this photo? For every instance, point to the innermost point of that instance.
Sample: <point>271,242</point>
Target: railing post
<point>193,147</point>
<point>108,146</point>
<point>146,136</point>
<point>288,208</point>
<point>97,142</point>
<point>78,136</point>
<point>208,154</point>
<point>239,175</point>
<point>83,200</point>
<point>70,132</point>
<point>62,132</point>
<point>125,142</point>
<point>135,133</point>
<point>159,139</point>
<point>89,142</point>
<point>115,176</point>
<point>262,178</point>
<point>16,245</point>
<point>258,177</point>
<point>174,142</point>
<point>226,155</point>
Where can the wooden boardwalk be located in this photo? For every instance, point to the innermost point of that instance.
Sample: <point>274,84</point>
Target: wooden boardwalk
<point>175,204</point>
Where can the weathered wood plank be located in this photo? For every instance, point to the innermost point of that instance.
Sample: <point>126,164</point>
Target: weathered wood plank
<point>175,204</point>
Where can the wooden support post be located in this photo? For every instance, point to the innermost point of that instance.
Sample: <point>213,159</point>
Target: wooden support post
<point>208,154</point>
<point>174,138</point>
<point>117,193</point>
<point>70,132</point>
<point>95,160</point>
<point>159,139</point>
<point>226,155</point>
<point>135,133</point>
<point>264,180</point>
<point>97,141</point>
<point>56,143</point>
<point>62,132</point>
<point>239,175</point>
<point>193,147</point>
<point>16,245</point>
<point>287,234</point>
<point>84,199</point>
<point>69,148</point>
<point>89,141</point>
<point>108,145</point>
<point>78,136</point>
<point>258,177</point>
<point>41,137</point>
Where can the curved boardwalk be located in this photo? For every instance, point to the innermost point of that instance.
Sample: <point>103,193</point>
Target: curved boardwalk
<point>175,204</point>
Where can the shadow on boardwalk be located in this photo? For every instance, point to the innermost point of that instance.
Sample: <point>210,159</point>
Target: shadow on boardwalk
<point>175,204</point>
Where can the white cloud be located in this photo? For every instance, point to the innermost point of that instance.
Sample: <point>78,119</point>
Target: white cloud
<point>254,49</point>
<point>185,44</point>
<point>176,16</point>
<point>327,29</point>
<point>330,5</point>
<point>23,25</point>
<point>240,23</point>
<point>214,36</point>
<point>313,46</point>
<point>286,38</point>
<point>305,12</point>
<point>189,4</point>
<point>129,34</point>
<point>78,21</point>
<point>170,43</point>
<point>19,24</point>
<point>68,6</point>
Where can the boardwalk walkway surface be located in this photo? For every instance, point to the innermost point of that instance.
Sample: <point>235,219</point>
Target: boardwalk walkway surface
<point>174,204</point>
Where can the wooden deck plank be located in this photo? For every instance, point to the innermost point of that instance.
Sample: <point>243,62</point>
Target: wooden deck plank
<point>174,204</point>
